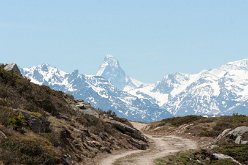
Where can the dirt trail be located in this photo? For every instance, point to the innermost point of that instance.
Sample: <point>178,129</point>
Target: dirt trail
<point>161,147</point>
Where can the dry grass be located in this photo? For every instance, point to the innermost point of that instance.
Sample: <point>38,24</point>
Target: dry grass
<point>51,128</point>
<point>199,126</point>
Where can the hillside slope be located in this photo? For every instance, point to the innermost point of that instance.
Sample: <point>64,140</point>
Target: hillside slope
<point>222,140</point>
<point>41,126</point>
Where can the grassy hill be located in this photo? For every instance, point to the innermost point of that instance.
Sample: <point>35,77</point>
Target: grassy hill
<point>42,126</point>
<point>207,131</point>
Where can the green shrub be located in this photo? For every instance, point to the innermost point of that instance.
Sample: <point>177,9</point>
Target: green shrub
<point>17,122</point>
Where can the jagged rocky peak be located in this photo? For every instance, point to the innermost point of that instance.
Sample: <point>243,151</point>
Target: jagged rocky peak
<point>170,81</point>
<point>111,68</point>
<point>47,68</point>
<point>44,74</point>
<point>113,72</point>
<point>112,61</point>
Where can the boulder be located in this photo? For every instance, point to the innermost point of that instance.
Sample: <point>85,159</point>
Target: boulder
<point>236,135</point>
<point>137,138</point>
<point>13,68</point>
<point>239,131</point>
<point>223,134</point>
<point>141,145</point>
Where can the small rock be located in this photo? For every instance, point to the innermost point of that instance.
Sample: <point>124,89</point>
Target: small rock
<point>213,146</point>
<point>222,156</point>
<point>67,160</point>
<point>105,149</point>
<point>2,136</point>
<point>243,142</point>
<point>238,140</point>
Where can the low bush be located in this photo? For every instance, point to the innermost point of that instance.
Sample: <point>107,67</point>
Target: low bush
<point>17,121</point>
<point>178,121</point>
<point>24,152</point>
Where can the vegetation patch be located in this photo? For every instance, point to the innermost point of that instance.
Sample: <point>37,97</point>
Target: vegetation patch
<point>178,121</point>
<point>238,152</point>
<point>17,122</point>
<point>200,126</point>
<point>202,157</point>
<point>24,152</point>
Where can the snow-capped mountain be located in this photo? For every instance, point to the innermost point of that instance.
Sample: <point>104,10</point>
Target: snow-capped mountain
<point>218,91</point>
<point>112,71</point>
<point>98,91</point>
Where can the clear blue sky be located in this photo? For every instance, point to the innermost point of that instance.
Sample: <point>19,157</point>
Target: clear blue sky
<point>150,38</point>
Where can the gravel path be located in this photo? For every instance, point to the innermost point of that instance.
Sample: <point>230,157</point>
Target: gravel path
<point>161,146</point>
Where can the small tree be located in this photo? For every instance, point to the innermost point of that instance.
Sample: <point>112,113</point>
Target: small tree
<point>111,113</point>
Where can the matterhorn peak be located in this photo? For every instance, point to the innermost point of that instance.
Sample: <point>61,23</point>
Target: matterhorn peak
<point>110,64</point>
<point>113,72</point>
<point>110,59</point>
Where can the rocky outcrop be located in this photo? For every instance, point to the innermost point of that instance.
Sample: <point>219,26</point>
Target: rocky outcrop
<point>238,135</point>
<point>138,140</point>
<point>38,124</point>
<point>13,68</point>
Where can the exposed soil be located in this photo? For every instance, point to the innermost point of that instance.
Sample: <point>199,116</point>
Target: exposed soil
<point>161,146</point>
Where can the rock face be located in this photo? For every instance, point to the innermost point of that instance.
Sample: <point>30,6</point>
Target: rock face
<point>237,135</point>
<point>138,139</point>
<point>13,68</point>
<point>37,124</point>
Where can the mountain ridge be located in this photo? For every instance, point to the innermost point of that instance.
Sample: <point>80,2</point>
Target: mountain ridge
<point>218,91</point>
<point>98,91</point>
<point>214,86</point>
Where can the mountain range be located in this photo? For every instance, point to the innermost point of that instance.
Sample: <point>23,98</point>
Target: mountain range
<point>220,91</point>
